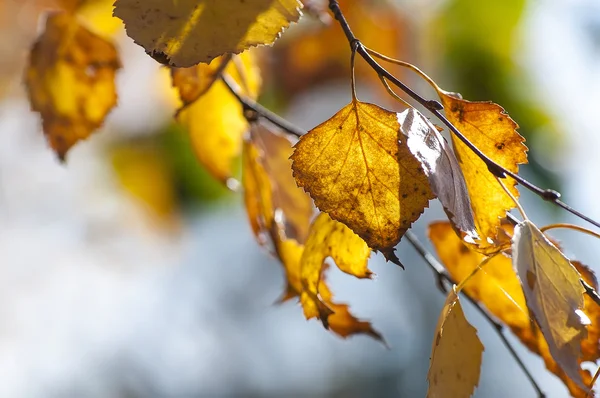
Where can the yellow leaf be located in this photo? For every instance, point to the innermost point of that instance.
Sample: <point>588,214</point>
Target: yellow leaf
<point>216,123</point>
<point>184,33</point>
<point>497,287</point>
<point>456,354</point>
<point>194,82</point>
<point>491,130</point>
<point>357,168</point>
<point>553,294</point>
<point>269,186</point>
<point>340,320</point>
<point>70,81</point>
<point>329,238</point>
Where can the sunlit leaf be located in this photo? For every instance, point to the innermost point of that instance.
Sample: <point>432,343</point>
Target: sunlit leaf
<point>554,295</point>
<point>456,354</point>
<point>216,123</point>
<point>70,81</point>
<point>269,186</point>
<point>493,132</point>
<point>441,167</point>
<point>186,32</point>
<point>497,287</point>
<point>357,168</point>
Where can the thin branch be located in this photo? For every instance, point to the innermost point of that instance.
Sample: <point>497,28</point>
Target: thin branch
<point>441,273</point>
<point>260,110</point>
<point>435,107</point>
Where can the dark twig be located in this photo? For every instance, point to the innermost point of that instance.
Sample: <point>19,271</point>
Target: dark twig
<point>442,274</point>
<point>260,110</point>
<point>435,107</point>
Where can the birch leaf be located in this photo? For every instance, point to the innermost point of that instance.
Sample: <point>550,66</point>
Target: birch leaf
<point>456,354</point>
<point>493,132</point>
<point>554,295</point>
<point>187,32</point>
<point>357,168</point>
<point>441,168</point>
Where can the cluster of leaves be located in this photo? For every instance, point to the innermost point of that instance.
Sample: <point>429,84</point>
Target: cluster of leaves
<point>369,171</point>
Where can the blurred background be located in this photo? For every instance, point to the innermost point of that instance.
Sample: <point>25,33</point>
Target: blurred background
<point>130,272</point>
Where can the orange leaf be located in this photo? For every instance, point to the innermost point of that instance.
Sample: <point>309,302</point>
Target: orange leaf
<point>70,81</point>
<point>497,287</point>
<point>357,168</point>
<point>494,133</point>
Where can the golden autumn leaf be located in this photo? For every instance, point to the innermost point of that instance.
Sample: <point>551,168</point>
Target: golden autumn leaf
<point>553,294</point>
<point>494,133</point>
<point>216,123</point>
<point>357,168</point>
<point>70,81</point>
<point>441,168</point>
<point>329,238</point>
<point>456,354</point>
<point>340,320</point>
<point>187,32</point>
<point>269,186</point>
<point>498,288</point>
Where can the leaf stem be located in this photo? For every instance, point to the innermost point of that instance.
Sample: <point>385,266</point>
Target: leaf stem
<point>571,226</point>
<point>435,107</point>
<point>512,197</point>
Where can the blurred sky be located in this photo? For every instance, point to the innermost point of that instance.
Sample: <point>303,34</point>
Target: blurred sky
<point>95,301</point>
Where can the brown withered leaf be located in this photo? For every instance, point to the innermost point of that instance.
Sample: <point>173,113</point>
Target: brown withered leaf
<point>494,133</point>
<point>456,354</point>
<point>70,81</point>
<point>497,287</point>
<point>215,121</point>
<point>186,32</point>
<point>269,186</point>
<point>357,169</point>
<point>441,168</point>
<point>553,294</point>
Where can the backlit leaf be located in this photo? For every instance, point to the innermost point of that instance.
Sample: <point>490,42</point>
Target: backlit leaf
<point>184,33</point>
<point>554,295</point>
<point>216,123</point>
<point>497,287</point>
<point>340,320</point>
<point>491,130</point>
<point>269,186</point>
<point>357,168</point>
<point>456,354</point>
<point>441,167</point>
<point>70,81</point>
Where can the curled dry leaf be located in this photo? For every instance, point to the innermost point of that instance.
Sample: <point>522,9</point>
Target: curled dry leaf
<point>70,81</point>
<point>357,169</point>
<point>497,287</point>
<point>269,186</point>
<point>187,32</point>
<point>456,354</point>
<point>553,294</point>
<point>441,168</point>
<point>216,122</point>
<point>494,133</point>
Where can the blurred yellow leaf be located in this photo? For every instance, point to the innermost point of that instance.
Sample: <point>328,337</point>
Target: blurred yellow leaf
<point>456,354</point>
<point>497,287</point>
<point>145,173</point>
<point>269,186</point>
<point>70,81</point>
<point>553,294</point>
<point>215,121</point>
<point>357,168</point>
<point>186,32</point>
<point>493,132</point>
